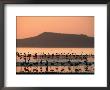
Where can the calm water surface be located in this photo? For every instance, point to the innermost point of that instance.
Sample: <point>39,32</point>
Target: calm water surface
<point>56,50</point>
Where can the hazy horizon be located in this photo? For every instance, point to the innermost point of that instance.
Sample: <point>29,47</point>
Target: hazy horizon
<point>30,26</point>
<point>55,33</point>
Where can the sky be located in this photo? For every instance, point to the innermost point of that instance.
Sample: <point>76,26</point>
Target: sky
<point>30,26</point>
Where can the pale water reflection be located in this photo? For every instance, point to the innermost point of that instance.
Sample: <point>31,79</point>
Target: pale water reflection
<point>84,65</point>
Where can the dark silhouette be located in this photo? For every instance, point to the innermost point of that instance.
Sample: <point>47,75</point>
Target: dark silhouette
<point>26,69</point>
<point>49,40</point>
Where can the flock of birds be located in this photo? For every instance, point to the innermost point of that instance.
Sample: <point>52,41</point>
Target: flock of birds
<point>54,63</point>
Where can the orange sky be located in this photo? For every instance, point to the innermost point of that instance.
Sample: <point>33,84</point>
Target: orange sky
<point>29,26</point>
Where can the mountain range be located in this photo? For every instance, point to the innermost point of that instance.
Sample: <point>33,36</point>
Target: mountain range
<point>57,40</point>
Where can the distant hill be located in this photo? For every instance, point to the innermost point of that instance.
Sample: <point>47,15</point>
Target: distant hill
<point>50,39</point>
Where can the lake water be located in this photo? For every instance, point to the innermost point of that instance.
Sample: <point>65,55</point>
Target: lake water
<point>56,51</point>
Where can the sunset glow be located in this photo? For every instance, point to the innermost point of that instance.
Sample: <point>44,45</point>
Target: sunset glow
<point>29,26</point>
